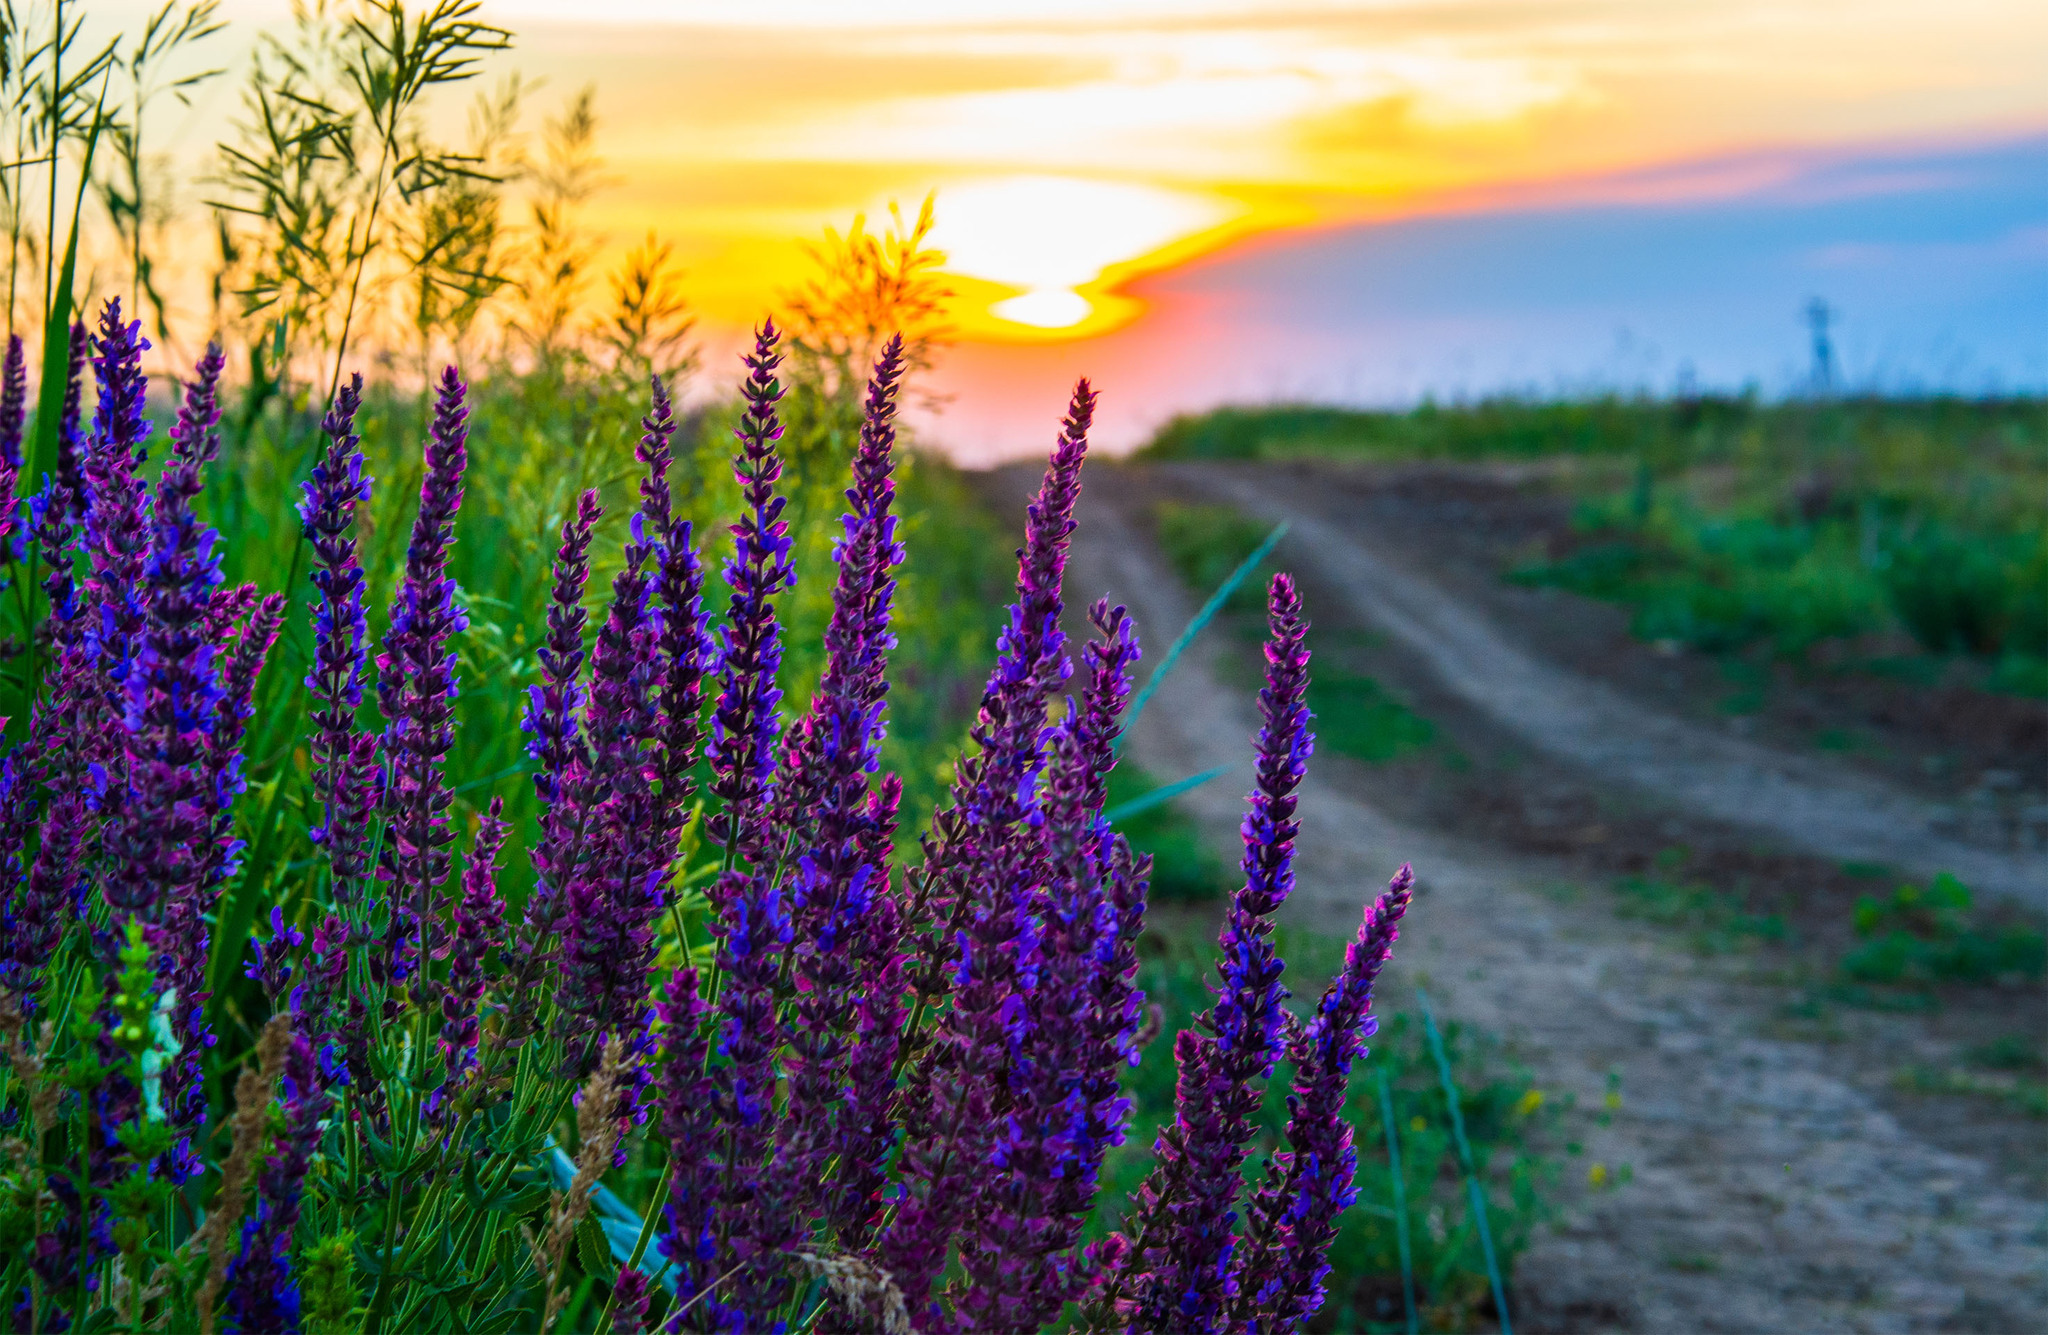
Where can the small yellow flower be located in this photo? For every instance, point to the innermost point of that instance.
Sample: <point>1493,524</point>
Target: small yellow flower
<point>1529,1102</point>
<point>1613,1099</point>
<point>1597,1175</point>
<point>1417,1124</point>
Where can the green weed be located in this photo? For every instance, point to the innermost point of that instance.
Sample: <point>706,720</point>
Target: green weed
<point>1922,936</point>
<point>1714,921</point>
<point>1184,868</point>
<point>1205,543</point>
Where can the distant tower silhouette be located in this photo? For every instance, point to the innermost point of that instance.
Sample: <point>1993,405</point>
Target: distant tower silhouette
<point>1819,315</point>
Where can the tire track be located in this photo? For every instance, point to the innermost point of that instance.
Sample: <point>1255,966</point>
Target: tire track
<point>1803,802</point>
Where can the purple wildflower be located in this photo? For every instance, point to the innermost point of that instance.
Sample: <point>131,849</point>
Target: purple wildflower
<point>686,647</point>
<point>613,894</point>
<point>629,1302</point>
<point>263,1293</point>
<point>754,933</point>
<point>690,1122</point>
<point>1185,1254</point>
<point>217,854</point>
<point>1065,1108</point>
<point>839,882</point>
<point>562,782</point>
<point>117,541</point>
<point>479,918</point>
<point>744,723</point>
<point>172,688</point>
<point>987,871</point>
<point>13,416</point>
<point>865,1133</point>
<point>342,753</point>
<point>417,688</point>
<point>1293,1218</point>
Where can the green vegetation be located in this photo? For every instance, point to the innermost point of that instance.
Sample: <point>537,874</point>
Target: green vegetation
<point>1205,543</point>
<point>1184,868</point>
<point>1355,716</point>
<point>1507,1121</point>
<point>1727,524</point>
<point>1923,936</point>
<point>1713,920</point>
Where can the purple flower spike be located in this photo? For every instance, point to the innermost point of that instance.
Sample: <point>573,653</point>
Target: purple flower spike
<point>13,403</point>
<point>629,1302</point>
<point>987,874</point>
<point>172,691</point>
<point>687,651</point>
<point>1066,1107</point>
<point>844,718</point>
<point>563,781</point>
<point>754,934</point>
<point>840,881</point>
<point>613,894</point>
<point>1187,1204</point>
<point>1293,1219</point>
<point>341,752</point>
<point>263,1293</point>
<point>690,1121</point>
<point>13,415</point>
<point>117,540</point>
<point>417,686</point>
<point>744,724</point>
<point>479,918</point>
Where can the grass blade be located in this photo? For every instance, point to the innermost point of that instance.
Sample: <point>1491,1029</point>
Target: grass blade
<point>1472,1187</point>
<point>1202,618</point>
<point>1400,1202</point>
<point>57,329</point>
<point>1146,801</point>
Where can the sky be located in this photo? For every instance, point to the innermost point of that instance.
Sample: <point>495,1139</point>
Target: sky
<point>1370,202</point>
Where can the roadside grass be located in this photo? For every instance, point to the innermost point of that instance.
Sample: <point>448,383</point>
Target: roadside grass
<point>1355,715</point>
<point>1510,1123</point>
<point>1205,543</point>
<point>1713,921</point>
<point>1866,527</point>
<point>1184,868</point>
<point>1928,936</point>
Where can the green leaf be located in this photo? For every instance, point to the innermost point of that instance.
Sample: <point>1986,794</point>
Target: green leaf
<point>1201,619</point>
<point>592,1248</point>
<point>57,330</point>
<point>1146,801</point>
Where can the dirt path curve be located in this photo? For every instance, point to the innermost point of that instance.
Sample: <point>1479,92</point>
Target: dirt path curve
<point>1819,1211</point>
<point>1802,801</point>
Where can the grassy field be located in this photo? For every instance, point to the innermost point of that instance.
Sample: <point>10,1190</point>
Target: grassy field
<point>1910,536</point>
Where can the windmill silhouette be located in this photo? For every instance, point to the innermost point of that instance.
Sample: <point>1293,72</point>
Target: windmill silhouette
<point>1819,315</point>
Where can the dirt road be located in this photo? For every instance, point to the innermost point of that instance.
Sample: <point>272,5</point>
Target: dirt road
<point>1775,1187</point>
<point>1803,801</point>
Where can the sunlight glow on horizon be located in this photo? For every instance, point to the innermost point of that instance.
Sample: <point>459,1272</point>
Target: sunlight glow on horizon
<point>1077,146</point>
<point>1197,122</point>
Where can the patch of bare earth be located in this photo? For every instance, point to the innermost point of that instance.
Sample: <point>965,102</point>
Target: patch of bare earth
<point>1778,1179</point>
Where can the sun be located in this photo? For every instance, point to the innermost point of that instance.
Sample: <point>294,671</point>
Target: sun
<point>1050,240</point>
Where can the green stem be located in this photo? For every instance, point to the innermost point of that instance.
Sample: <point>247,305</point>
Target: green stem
<point>1400,1202</point>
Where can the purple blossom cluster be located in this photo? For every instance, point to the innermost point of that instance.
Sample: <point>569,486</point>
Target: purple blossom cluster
<point>882,1090</point>
<point>116,807</point>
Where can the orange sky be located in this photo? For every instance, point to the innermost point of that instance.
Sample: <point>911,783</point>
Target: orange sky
<point>1078,143</point>
<point>1079,146</point>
